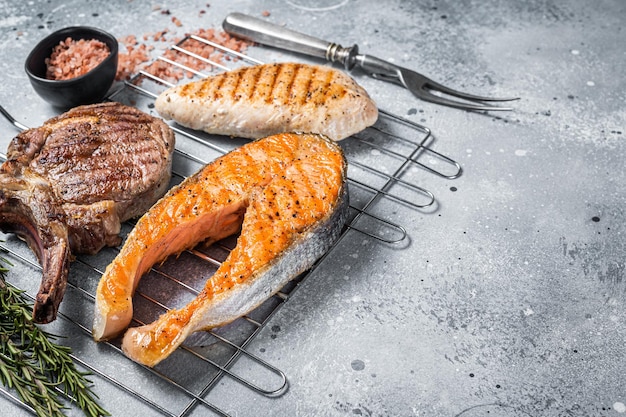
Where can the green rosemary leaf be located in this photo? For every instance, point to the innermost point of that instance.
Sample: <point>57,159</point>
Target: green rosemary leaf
<point>33,365</point>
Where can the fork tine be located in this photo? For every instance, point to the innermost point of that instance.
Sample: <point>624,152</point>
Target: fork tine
<point>433,85</point>
<point>422,87</point>
<point>426,95</point>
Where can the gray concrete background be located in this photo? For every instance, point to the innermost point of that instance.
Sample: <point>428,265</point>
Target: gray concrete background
<point>507,298</point>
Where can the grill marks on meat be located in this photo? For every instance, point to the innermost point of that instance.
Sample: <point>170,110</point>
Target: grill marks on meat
<point>67,186</point>
<point>287,194</point>
<point>278,83</point>
<point>97,153</point>
<point>262,100</point>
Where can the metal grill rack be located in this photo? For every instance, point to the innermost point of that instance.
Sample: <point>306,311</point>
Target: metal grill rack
<point>392,142</point>
<point>180,386</point>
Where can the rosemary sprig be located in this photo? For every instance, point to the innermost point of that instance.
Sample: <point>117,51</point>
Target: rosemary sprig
<point>38,369</point>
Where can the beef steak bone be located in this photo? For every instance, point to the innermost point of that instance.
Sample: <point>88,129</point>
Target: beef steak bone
<point>67,186</point>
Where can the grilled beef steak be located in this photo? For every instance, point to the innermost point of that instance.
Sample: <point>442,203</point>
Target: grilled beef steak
<point>67,186</point>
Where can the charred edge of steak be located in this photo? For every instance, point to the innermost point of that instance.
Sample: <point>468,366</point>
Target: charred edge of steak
<point>67,185</point>
<point>52,289</point>
<point>51,247</point>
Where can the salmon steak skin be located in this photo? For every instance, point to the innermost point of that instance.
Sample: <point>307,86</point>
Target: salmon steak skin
<point>262,100</point>
<point>287,197</point>
<point>67,186</point>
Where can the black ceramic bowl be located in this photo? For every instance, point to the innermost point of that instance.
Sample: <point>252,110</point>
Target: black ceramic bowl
<point>85,89</point>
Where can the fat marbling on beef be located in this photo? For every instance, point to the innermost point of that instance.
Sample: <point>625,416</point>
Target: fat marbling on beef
<point>67,186</point>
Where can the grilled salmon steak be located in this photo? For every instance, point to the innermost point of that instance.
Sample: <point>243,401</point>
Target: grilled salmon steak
<point>67,186</point>
<point>262,100</point>
<point>288,197</point>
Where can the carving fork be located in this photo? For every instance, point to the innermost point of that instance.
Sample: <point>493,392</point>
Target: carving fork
<point>261,31</point>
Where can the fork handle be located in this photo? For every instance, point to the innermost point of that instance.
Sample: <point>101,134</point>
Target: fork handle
<point>267,33</point>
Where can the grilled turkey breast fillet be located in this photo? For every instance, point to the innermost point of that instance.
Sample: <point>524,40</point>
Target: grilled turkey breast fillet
<point>258,101</point>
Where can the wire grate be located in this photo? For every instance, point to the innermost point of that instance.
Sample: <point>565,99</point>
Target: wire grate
<point>181,385</point>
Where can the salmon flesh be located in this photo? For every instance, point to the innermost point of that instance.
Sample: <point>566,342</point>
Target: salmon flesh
<point>287,196</point>
<point>262,100</point>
